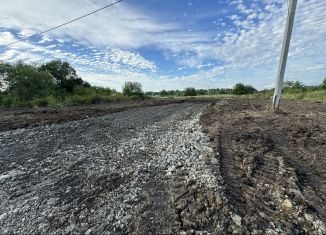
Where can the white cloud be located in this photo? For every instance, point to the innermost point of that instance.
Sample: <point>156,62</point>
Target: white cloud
<point>249,50</point>
<point>203,79</point>
<point>114,27</point>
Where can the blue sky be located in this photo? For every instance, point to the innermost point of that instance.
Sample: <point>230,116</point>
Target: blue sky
<point>170,44</point>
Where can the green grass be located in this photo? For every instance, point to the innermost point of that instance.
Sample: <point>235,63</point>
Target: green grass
<point>313,95</point>
<point>88,99</point>
<point>71,100</point>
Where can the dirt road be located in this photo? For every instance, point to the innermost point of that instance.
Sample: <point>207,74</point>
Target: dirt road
<point>127,172</point>
<point>231,168</point>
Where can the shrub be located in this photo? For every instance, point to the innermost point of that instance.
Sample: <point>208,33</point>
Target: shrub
<point>163,93</point>
<point>323,85</point>
<point>39,102</point>
<point>6,101</point>
<point>241,89</point>
<point>190,91</point>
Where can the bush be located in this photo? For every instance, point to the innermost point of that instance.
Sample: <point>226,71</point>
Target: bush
<point>241,89</point>
<point>80,90</point>
<point>6,101</point>
<point>133,89</point>
<point>190,91</point>
<point>323,85</point>
<point>163,93</point>
<point>39,102</point>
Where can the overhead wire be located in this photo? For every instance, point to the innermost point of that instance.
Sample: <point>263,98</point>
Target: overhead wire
<point>61,25</point>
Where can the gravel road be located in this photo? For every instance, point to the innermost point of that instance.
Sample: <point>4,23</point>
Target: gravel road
<point>141,171</point>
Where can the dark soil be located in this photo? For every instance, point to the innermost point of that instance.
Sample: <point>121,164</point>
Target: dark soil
<point>23,117</point>
<point>273,164</point>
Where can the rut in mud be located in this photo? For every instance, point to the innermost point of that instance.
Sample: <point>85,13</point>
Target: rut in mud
<point>273,165</point>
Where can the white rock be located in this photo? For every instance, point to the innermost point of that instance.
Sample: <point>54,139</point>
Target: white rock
<point>70,228</point>
<point>214,161</point>
<point>3,216</point>
<point>320,226</point>
<point>309,217</point>
<point>89,231</point>
<point>287,204</point>
<point>236,219</point>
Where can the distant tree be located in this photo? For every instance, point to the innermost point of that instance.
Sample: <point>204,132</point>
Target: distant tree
<point>202,92</point>
<point>293,85</point>
<point>190,91</point>
<point>149,93</point>
<point>132,89</point>
<point>65,75</point>
<point>323,85</point>
<point>241,89</point>
<point>164,93</point>
<point>223,91</point>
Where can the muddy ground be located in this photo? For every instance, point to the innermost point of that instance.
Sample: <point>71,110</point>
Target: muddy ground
<point>273,165</point>
<point>184,168</point>
<point>26,117</point>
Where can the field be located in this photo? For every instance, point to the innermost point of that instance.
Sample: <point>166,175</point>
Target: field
<point>222,166</point>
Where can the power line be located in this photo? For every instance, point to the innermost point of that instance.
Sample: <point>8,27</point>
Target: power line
<point>61,25</point>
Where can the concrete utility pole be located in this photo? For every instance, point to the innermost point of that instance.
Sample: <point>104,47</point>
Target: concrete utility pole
<point>284,54</point>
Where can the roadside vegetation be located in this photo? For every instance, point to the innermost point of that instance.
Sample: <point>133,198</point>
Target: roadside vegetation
<point>291,90</point>
<point>57,84</point>
<point>297,90</point>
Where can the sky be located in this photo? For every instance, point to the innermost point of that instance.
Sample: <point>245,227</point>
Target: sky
<point>169,44</point>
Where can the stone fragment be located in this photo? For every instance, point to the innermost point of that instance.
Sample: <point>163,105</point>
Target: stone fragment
<point>214,161</point>
<point>236,219</point>
<point>287,204</point>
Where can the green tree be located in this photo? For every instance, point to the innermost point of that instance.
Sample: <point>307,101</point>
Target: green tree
<point>163,93</point>
<point>65,75</point>
<point>25,82</point>
<point>132,89</point>
<point>241,89</point>
<point>190,91</point>
<point>202,92</point>
<point>323,85</point>
<point>293,85</point>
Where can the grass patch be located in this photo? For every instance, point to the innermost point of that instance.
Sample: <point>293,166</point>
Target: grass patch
<point>311,95</point>
<point>71,100</point>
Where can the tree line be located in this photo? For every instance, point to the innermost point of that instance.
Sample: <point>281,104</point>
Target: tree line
<point>238,89</point>
<point>56,83</point>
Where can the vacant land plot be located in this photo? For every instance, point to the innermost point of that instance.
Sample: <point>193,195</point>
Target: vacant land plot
<point>186,168</point>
